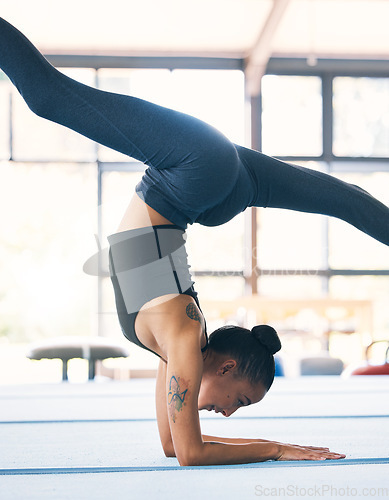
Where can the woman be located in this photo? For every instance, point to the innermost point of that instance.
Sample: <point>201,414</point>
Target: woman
<point>194,174</point>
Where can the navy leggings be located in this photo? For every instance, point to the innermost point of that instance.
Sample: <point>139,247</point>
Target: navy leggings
<point>194,174</point>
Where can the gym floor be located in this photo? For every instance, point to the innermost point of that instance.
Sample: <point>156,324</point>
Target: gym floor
<point>100,440</point>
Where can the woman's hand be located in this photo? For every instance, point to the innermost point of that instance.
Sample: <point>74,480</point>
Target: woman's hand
<point>297,452</point>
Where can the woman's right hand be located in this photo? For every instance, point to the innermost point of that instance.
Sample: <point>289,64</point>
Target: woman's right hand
<point>296,452</point>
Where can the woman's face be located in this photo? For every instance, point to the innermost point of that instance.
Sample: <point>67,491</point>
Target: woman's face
<point>224,392</point>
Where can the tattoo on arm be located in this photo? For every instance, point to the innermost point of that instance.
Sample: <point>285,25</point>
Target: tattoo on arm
<point>193,313</point>
<point>176,396</point>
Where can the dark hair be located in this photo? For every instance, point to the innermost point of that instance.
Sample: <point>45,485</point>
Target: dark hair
<point>252,350</point>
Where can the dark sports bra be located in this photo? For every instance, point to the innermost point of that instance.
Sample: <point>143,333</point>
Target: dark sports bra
<point>144,264</point>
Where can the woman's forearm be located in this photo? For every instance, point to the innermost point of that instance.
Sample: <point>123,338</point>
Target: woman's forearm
<point>219,453</point>
<point>169,450</point>
<point>234,440</point>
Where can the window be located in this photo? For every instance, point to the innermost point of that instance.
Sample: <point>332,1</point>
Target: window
<point>46,235</point>
<point>361,111</point>
<point>292,115</point>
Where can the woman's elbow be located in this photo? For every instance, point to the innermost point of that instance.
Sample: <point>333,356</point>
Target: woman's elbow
<point>168,449</point>
<point>184,459</point>
<point>190,459</point>
<point>169,452</point>
<point>189,462</point>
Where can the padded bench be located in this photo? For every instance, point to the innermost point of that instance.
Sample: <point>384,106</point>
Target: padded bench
<point>321,365</point>
<point>65,348</point>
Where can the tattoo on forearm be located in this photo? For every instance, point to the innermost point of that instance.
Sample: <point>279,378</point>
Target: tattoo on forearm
<point>176,396</point>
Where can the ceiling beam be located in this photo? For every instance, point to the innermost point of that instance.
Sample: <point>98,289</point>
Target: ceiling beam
<point>257,59</point>
<point>164,62</point>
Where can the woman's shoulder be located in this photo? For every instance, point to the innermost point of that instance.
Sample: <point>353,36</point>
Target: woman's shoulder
<point>174,309</point>
<point>188,311</point>
<point>171,316</point>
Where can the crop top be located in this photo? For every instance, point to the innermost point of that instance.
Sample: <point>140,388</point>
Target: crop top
<point>144,264</point>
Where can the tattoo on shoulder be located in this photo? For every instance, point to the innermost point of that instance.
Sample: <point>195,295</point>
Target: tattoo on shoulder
<point>176,396</point>
<point>193,313</point>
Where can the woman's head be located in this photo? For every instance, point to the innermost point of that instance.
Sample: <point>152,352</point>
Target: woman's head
<point>239,367</point>
<point>252,350</point>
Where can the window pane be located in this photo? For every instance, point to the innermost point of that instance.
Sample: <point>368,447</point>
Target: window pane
<point>291,286</point>
<point>291,115</point>
<point>350,248</point>
<point>44,242</point>
<point>215,96</point>
<point>5,92</point>
<point>211,288</point>
<point>373,288</point>
<point>361,116</point>
<point>289,239</point>
<point>219,248</point>
<point>37,139</point>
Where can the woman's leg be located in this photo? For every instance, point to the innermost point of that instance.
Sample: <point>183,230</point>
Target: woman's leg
<point>292,187</point>
<point>155,135</point>
<point>194,165</point>
<point>188,157</point>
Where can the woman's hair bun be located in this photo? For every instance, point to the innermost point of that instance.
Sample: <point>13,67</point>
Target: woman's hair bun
<point>267,336</point>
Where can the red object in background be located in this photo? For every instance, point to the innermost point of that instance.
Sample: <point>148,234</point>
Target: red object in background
<point>368,369</point>
<point>372,370</point>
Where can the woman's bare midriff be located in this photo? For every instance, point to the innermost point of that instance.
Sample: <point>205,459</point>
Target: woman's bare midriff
<point>139,214</point>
